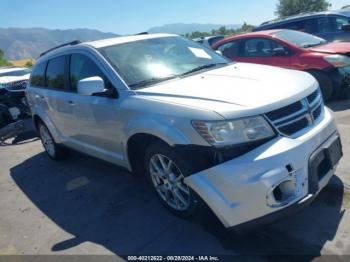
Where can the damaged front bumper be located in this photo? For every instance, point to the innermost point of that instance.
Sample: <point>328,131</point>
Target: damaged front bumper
<point>278,176</point>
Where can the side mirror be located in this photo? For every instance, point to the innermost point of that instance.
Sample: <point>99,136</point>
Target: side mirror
<point>218,52</point>
<point>91,85</point>
<point>346,28</point>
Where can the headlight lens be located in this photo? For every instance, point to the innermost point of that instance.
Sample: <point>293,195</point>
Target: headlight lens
<point>220,133</point>
<point>338,60</point>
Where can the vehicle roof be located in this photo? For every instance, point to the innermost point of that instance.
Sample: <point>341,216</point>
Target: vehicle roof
<point>124,39</point>
<point>11,69</point>
<point>99,44</point>
<point>303,15</point>
<point>258,33</point>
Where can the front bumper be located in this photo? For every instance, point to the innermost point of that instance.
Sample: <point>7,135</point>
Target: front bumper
<point>268,179</point>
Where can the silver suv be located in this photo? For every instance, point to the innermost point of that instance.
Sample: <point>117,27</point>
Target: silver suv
<point>249,141</point>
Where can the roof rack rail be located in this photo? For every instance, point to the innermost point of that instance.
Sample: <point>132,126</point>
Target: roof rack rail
<point>287,17</point>
<point>75,42</point>
<point>142,33</point>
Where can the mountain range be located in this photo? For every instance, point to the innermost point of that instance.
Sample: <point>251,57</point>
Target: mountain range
<point>21,43</point>
<point>182,29</point>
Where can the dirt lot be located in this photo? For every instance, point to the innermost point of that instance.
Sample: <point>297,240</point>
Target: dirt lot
<point>86,206</point>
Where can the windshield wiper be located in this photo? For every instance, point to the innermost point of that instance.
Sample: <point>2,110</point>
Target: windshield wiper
<point>151,81</point>
<point>202,67</point>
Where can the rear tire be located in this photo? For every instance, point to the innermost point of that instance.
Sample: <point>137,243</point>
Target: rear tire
<point>54,150</point>
<point>166,170</point>
<point>326,84</point>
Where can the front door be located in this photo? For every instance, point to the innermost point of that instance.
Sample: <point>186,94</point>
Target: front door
<point>97,118</point>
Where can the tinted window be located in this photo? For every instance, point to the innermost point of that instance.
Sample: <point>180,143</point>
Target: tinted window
<point>339,22</point>
<point>82,67</point>
<point>297,25</point>
<point>262,47</point>
<point>258,47</point>
<point>38,75</point>
<point>310,26</point>
<point>230,49</point>
<point>324,25</point>
<point>55,73</point>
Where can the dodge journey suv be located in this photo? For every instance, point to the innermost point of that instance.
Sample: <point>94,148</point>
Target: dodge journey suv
<point>251,142</point>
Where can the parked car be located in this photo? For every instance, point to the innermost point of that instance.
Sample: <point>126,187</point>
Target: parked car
<point>11,77</point>
<point>13,106</point>
<point>209,40</point>
<point>330,25</point>
<point>329,63</point>
<point>199,127</point>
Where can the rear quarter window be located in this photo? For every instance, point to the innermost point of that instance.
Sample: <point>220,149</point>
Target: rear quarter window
<point>38,75</point>
<point>55,73</point>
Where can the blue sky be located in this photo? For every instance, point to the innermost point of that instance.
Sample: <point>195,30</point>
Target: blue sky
<point>133,16</point>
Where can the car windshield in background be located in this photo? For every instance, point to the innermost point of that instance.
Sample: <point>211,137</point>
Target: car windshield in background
<point>300,39</point>
<point>151,61</point>
<point>16,73</point>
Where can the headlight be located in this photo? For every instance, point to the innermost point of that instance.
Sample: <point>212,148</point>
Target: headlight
<point>232,132</point>
<point>338,60</point>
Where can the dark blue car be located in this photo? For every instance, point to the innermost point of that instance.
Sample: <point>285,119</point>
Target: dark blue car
<point>330,25</point>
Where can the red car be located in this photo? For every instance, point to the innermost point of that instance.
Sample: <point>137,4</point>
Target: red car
<point>329,63</point>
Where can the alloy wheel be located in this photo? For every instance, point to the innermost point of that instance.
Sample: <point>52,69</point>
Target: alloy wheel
<point>168,179</point>
<point>47,140</point>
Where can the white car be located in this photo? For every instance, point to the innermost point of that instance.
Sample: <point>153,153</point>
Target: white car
<point>14,77</point>
<point>251,141</point>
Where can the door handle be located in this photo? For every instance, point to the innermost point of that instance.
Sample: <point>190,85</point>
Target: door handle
<point>71,103</point>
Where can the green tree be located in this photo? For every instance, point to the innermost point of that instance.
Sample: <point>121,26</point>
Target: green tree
<point>293,7</point>
<point>29,64</point>
<point>3,61</point>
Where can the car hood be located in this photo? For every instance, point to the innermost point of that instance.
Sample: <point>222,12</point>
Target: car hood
<point>332,48</point>
<point>10,79</point>
<point>239,89</point>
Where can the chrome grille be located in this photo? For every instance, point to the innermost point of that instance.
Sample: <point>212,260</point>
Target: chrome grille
<point>17,86</point>
<point>298,116</point>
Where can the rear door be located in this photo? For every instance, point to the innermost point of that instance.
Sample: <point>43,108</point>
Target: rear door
<point>56,97</point>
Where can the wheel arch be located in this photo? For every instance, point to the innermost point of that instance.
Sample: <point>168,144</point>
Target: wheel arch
<point>136,148</point>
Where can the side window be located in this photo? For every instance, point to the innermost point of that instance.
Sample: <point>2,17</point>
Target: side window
<point>339,22</point>
<point>297,25</point>
<point>38,75</point>
<point>258,47</point>
<point>324,25</point>
<point>230,49</point>
<point>55,73</point>
<point>82,67</point>
<point>310,26</point>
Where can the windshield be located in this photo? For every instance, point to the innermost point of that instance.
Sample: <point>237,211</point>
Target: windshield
<point>16,73</point>
<point>149,61</point>
<point>300,39</point>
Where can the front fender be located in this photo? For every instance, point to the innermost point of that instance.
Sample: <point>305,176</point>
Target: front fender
<point>164,129</point>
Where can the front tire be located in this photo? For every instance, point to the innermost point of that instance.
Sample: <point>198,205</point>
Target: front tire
<point>166,170</point>
<point>55,151</point>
